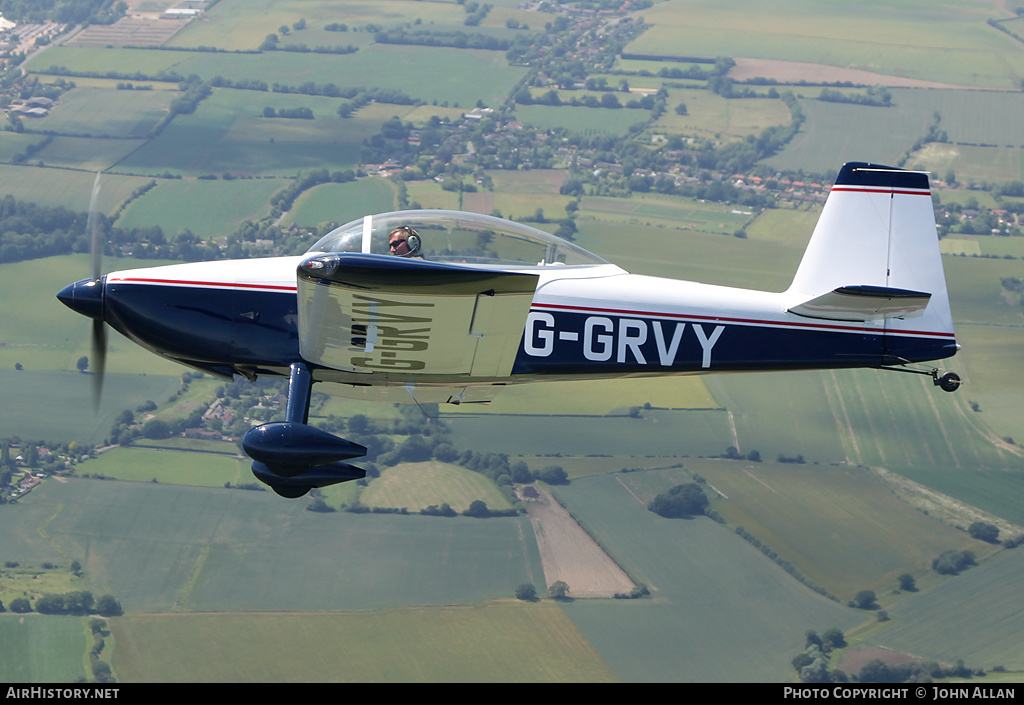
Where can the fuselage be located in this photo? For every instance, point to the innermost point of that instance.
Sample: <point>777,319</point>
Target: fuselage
<point>242,316</point>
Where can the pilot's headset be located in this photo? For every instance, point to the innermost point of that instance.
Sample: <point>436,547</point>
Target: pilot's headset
<point>412,239</point>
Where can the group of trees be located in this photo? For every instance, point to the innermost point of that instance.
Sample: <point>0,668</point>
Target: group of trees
<point>77,602</point>
<point>680,501</point>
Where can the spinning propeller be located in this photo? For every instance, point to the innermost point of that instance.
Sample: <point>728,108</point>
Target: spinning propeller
<point>86,296</point>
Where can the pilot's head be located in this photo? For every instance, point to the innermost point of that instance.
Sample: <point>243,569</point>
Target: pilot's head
<point>404,242</point>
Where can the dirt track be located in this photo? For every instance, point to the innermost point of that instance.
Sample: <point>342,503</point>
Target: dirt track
<point>569,554</point>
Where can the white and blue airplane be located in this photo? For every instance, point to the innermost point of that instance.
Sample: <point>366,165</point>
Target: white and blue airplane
<point>443,306</point>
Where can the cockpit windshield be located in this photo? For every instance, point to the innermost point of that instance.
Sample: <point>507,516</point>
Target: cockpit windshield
<point>453,236</point>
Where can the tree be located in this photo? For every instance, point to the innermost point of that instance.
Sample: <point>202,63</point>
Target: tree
<point>83,363</point>
<point>558,589</point>
<point>865,600</point>
<point>526,592</point>
<point>478,508</point>
<point>907,582</point>
<point>833,638</point>
<point>680,501</point>
<point>553,475</point>
<point>984,532</point>
<point>107,606</point>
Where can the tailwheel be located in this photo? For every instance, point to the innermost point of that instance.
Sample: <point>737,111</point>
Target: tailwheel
<point>949,382</point>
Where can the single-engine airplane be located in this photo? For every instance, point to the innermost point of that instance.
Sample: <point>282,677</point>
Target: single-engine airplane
<point>443,306</point>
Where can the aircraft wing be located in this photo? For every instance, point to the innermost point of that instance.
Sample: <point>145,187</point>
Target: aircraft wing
<point>401,321</point>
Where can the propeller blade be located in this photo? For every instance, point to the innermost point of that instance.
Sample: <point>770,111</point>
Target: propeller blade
<point>99,360</point>
<point>93,226</point>
<point>99,331</point>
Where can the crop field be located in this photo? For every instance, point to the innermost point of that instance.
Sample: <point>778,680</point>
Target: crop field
<point>90,154</point>
<point>208,208</point>
<point>244,26</point>
<point>952,46</point>
<point>977,612</point>
<point>227,133</point>
<point>584,121</point>
<point>167,548</point>
<point>158,465</point>
<point>214,577</point>
<point>402,645</point>
<point>89,111</point>
<point>686,564</point>
<point>712,116</point>
<point>839,525</point>
<point>39,332</point>
<point>39,648</point>
<point>340,203</point>
<point>66,188</point>
<point>835,133</point>
<point>416,486</point>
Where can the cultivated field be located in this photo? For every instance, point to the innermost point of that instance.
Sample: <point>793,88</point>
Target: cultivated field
<point>213,579</point>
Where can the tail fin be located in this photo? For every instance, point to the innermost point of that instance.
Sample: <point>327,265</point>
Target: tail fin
<point>875,257</point>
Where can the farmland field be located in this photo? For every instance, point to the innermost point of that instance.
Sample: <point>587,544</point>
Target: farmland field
<point>214,577</point>
<point>441,645</point>
<point>689,564</point>
<point>952,46</point>
<point>208,208</point>
<point>416,486</point>
<point>42,649</point>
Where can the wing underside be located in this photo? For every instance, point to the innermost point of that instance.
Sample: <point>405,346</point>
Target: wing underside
<point>389,321</point>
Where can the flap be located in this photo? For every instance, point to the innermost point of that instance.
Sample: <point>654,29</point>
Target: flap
<point>406,319</point>
<point>864,303</point>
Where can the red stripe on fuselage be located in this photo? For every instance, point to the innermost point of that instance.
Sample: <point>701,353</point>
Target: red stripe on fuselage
<point>220,285</point>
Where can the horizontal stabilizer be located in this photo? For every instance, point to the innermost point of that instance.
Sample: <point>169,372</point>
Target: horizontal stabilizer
<point>864,303</point>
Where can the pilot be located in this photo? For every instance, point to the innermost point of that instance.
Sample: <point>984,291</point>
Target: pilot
<point>405,242</point>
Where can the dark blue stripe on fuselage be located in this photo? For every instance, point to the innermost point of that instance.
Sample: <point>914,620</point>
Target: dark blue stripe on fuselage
<point>571,343</point>
<point>216,326</point>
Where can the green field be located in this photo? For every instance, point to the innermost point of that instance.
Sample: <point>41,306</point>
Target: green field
<point>87,111</point>
<point>215,578</point>
<point>42,649</point>
<point>969,614</point>
<point>340,203</point>
<point>402,645</point>
<point>207,208</point>
<point>416,486</point>
<point>910,38</point>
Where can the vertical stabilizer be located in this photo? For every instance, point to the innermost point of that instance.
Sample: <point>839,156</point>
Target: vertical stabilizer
<point>876,237</point>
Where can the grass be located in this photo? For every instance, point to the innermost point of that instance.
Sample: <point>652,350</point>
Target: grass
<point>415,486</point>
<point>42,649</point>
<point>161,547</point>
<point>158,465</point>
<point>102,112</point>
<point>973,616</point>
<point>839,525</point>
<point>340,203</point>
<point>207,208</point>
<point>911,38</point>
<point>443,645</point>
<point>706,613</point>
<point>67,188</point>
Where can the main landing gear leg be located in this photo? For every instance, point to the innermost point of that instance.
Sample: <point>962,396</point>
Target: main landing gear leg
<point>292,457</point>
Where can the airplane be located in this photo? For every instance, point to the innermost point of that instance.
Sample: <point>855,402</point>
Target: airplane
<point>435,306</point>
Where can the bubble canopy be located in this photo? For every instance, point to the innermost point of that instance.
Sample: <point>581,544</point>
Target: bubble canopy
<point>457,237</point>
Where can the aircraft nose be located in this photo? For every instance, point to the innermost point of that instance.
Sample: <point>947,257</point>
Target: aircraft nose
<point>84,297</point>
